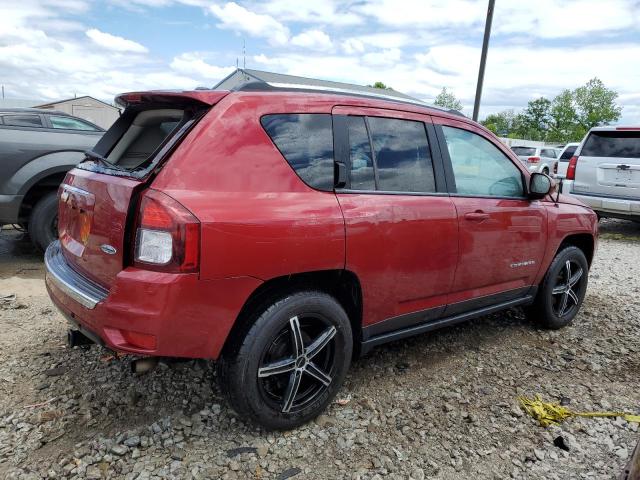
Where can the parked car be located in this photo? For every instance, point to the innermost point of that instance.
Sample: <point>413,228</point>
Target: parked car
<point>563,159</point>
<point>537,159</point>
<point>37,149</point>
<point>280,232</point>
<point>604,172</point>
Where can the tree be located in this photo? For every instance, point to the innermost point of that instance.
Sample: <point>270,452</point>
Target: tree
<point>501,123</point>
<point>564,119</point>
<point>380,85</point>
<point>596,104</point>
<point>447,100</point>
<point>537,119</point>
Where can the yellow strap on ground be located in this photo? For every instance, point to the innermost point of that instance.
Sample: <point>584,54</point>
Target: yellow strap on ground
<point>552,413</point>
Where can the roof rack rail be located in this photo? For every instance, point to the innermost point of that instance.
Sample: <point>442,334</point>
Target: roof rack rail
<point>262,86</point>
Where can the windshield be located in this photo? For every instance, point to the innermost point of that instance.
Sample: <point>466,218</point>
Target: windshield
<point>524,151</point>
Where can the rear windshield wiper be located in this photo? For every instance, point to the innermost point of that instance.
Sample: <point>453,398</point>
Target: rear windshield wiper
<point>90,154</point>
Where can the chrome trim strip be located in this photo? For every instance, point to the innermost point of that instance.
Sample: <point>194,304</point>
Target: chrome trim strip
<point>59,273</point>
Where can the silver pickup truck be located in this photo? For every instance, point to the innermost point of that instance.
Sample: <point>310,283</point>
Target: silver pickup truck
<point>37,149</point>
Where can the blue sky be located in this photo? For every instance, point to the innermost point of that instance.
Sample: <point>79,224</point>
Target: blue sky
<point>55,49</point>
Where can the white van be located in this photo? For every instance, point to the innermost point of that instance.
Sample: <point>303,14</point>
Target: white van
<point>605,172</point>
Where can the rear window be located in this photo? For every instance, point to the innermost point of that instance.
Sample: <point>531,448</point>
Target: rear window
<point>306,142</point>
<point>524,151</point>
<point>568,153</point>
<point>615,143</point>
<point>22,120</point>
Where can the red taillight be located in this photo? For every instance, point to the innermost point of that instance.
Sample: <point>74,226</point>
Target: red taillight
<point>167,235</point>
<point>571,169</point>
<point>533,159</point>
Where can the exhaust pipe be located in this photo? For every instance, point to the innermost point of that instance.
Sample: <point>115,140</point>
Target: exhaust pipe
<point>144,365</point>
<point>76,338</point>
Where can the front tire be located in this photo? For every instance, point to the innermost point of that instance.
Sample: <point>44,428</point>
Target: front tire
<point>43,223</point>
<point>562,291</point>
<point>291,362</point>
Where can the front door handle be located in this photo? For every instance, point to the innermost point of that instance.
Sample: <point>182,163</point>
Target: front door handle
<point>477,216</point>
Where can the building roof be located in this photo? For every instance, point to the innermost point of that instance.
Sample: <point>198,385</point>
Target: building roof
<point>58,102</point>
<point>241,76</point>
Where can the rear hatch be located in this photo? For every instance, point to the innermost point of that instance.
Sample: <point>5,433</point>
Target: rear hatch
<point>98,199</point>
<point>609,164</point>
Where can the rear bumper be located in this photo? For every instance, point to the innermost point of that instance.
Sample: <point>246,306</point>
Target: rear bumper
<point>607,205</point>
<point>10,208</point>
<point>185,316</point>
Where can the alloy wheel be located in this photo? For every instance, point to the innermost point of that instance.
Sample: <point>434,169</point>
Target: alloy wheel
<point>298,365</point>
<point>568,283</point>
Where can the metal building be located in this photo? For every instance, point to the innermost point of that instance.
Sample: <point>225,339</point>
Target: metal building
<point>89,108</point>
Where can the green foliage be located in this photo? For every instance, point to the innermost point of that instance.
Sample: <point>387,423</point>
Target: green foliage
<point>566,118</point>
<point>596,104</point>
<point>447,100</point>
<point>380,85</point>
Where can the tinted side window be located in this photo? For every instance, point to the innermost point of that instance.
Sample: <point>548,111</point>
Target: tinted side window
<point>568,153</point>
<point>479,167</point>
<point>616,143</point>
<point>402,156</point>
<point>69,123</point>
<point>22,120</point>
<point>306,142</point>
<point>362,174</point>
<point>548,153</point>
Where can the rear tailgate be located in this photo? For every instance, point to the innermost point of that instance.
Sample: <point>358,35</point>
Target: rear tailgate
<point>609,164</point>
<point>98,198</point>
<point>92,217</point>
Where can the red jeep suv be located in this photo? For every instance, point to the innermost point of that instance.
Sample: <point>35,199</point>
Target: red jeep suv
<point>282,231</point>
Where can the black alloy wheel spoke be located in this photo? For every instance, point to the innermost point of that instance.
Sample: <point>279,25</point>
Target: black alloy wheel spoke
<point>565,288</point>
<point>299,364</point>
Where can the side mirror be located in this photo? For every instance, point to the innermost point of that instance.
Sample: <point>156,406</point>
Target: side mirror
<point>540,185</point>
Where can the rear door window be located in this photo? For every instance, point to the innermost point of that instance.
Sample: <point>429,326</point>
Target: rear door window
<point>69,123</point>
<point>402,157</point>
<point>22,121</point>
<point>361,159</point>
<point>548,153</point>
<point>306,142</point>
<point>614,143</point>
<point>479,167</point>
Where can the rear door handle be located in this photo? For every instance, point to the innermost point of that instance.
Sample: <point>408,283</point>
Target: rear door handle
<point>476,216</point>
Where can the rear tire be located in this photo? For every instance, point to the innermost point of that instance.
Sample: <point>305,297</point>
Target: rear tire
<point>43,223</point>
<point>290,363</point>
<point>562,291</point>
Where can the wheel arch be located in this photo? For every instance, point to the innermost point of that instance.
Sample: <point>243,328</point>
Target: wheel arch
<point>583,241</point>
<point>343,285</point>
<point>47,182</point>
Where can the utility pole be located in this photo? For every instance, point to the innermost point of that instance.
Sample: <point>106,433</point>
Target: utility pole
<point>483,59</point>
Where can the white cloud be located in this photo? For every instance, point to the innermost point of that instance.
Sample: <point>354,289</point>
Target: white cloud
<point>313,39</point>
<point>235,17</point>
<point>193,64</point>
<point>329,12</point>
<point>566,18</point>
<point>114,42</point>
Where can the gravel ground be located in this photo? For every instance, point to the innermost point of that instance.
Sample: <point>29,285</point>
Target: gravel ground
<point>442,405</point>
